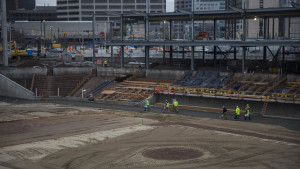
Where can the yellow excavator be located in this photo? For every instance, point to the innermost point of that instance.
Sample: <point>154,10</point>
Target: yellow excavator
<point>17,51</point>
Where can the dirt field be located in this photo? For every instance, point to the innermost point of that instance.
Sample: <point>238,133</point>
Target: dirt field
<point>44,135</point>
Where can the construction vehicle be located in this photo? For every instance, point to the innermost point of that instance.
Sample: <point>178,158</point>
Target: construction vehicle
<point>56,45</point>
<point>17,51</point>
<point>202,36</point>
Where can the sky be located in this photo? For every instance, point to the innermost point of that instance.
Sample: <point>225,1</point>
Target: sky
<point>170,4</point>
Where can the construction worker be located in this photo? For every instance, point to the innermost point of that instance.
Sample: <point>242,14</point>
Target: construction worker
<point>237,113</point>
<point>175,104</point>
<point>147,104</point>
<point>247,114</point>
<point>224,116</point>
<point>166,107</point>
<point>105,63</point>
<point>91,97</point>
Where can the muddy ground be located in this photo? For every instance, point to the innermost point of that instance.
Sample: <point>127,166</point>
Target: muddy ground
<point>47,135</point>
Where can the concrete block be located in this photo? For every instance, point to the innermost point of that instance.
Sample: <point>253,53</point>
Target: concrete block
<point>79,58</point>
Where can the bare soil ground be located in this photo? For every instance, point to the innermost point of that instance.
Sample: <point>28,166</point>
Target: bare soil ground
<point>41,135</point>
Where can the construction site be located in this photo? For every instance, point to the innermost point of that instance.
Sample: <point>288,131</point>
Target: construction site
<point>48,120</point>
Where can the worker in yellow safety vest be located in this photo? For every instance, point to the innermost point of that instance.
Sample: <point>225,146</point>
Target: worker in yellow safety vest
<point>105,63</point>
<point>247,114</point>
<point>166,107</point>
<point>237,113</point>
<point>147,104</point>
<point>175,106</point>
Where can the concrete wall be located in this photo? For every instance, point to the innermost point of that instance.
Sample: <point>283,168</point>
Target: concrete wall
<point>110,71</point>
<point>71,70</point>
<point>22,72</point>
<point>10,88</point>
<point>274,109</point>
<point>166,74</point>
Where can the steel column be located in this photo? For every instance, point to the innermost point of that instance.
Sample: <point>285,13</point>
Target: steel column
<point>93,28</point>
<point>4,34</point>
<point>171,55</point>
<point>122,56</point>
<point>121,27</point>
<point>147,57</point>
<point>264,57</point>
<point>273,29</point>
<point>244,58</point>
<point>234,54</point>
<point>164,55</point>
<point>111,56</point>
<point>289,28</point>
<point>193,59</point>
<point>203,55</point>
<point>283,55</point>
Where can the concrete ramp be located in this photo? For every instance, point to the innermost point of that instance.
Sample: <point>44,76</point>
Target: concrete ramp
<point>10,88</point>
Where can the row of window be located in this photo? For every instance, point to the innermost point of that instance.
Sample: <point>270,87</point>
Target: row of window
<point>116,1</point>
<point>116,7</point>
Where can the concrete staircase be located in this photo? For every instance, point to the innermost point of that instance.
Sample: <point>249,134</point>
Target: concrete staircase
<point>48,85</point>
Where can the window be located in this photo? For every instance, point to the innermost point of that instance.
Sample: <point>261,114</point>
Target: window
<point>155,6</point>
<point>128,1</point>
<point>155,1</point>
<point>100,1</point>
<point>101,7</point>
<point>73,13</point>
<point>141,7</point>
<point>61,8</point>
<point>87,7</point>
<point>73,7</point>
<point>87,1</point>
<point>86,18</point>
<point>128,7</point>
<point>101,19</point>
<point>87,13</point>
<point>114,1</point>
<point>115,7</point>
<point>140,1</point>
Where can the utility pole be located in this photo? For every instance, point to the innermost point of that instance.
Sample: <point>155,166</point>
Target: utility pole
<point>4,34</point>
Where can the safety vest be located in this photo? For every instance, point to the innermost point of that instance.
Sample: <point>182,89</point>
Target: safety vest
<point>105,62</point>
<point>147,102</point>
<point>248,111</point>
<point>237,110</point>
<point>91,95</point>
<point>175,103</point>
<point>167,105</point>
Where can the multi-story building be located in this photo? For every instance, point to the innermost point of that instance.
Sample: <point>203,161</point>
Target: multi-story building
<point>82,10</point>
<point>47,13</point>
<point>183,4</point>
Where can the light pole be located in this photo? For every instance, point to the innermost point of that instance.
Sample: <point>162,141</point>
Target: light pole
<point>83,90</point>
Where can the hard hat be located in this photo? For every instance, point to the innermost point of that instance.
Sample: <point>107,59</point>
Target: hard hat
<point>237,106</point>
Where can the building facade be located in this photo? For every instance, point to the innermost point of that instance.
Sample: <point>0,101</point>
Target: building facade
<point>47,13</point>
<point>82,10</point>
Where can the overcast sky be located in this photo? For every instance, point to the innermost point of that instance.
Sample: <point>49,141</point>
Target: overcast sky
<point>170,4</point>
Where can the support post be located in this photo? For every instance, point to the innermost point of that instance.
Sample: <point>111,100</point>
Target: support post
<point>182,52</point>
<point>121,27</point>
<point>203,55</point>
<point>244,58</point>
<point>111,56</point>
<point>122,56</point>
<point>111,31</point>
<point>289,28</point>
<point>171,55</point>
<point>193,25</point>
<point>164,55</point>
<point>283,55</point>
<point>4,34</point>
<point>193,59</point>
<point>234,54</point>
<point>147,57</point>
<point>273,29</point>
<point>215,47</point>
<point>93,27</point>
<point>265,58</point>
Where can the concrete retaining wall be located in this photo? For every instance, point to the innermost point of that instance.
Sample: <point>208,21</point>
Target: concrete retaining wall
<point>10,88</point>
<point>71,70</point>
<point>274,109</point>
<point>20,73</point>
<point>110,71</point>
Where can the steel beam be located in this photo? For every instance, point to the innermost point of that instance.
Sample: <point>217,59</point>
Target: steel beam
<point>111,56</point>
<point>122,57</point>
<point>193,59</point>
<point>147,57</point>
<point>4,34</point>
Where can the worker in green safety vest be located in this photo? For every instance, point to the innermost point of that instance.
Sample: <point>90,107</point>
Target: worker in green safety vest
<point>147,104</point>
<point>237,113</point>
<point>105,63</point>
<point>247,114</point>
<point>175,106</point>
<point>166,107</point>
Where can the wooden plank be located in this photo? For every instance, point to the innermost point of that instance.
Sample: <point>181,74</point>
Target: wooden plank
<point>108,92</point>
